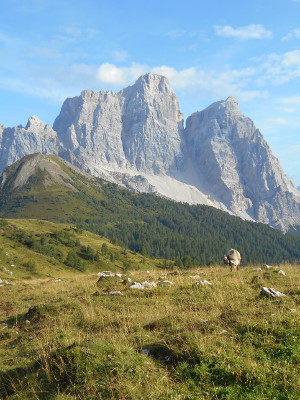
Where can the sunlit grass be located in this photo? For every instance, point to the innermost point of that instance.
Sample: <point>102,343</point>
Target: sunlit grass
<point>181,342</point>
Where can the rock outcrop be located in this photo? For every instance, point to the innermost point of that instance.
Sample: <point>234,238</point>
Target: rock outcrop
<point>136,138</point>
<point>235,166</point>
<point>17,142</point>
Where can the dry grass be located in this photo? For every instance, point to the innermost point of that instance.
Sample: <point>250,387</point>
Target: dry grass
<point>180,342</point>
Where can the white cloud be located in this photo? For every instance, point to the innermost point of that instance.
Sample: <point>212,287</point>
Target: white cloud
<point>193,81</point>
<point>280,68</point>
<point>294,34</point>
<point>110,73</point>
<point>278,121</point>
<point>287,110</point>
<point>251,31</point>
<point>290,100</point>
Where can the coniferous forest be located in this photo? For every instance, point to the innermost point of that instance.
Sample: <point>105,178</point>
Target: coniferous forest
<point>148,224</point>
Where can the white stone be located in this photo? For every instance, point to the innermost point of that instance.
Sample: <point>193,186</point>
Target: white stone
<point>105,274</point>
<point>281,272</point>
<point>203,283</point>
<point>149,284</point>
<point>137,285</point>
<point>270,292</point>
<point>266,266</point>
<point>166,283</point>
<point>115,292</point>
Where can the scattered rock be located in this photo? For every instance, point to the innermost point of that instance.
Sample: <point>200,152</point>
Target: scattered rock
<point>165,283</point>
<point>144,285</point>
<point>57,280</point>
<point>266,266</point>
<point>195,276</point>
<point>109,274</point>
<point>270,292</point>
<point>149,284</point>
<point>293,310</point>
<point>203,283</point>
<point>7,271</point>
<point>281,272</point>
<point>105,274</point>
<point>137,286</point>
<point>258,270</point>
<point>6,283</point>
<point>164,276</point>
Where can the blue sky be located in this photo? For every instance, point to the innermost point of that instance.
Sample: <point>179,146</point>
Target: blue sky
<point>209,50</point>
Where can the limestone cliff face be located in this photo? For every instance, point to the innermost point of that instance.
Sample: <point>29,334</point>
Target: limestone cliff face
<point>138,128</point>
<point>152,125</point>
<point>36,137</point>
<point>136,138</point>
<point>236,166</point>
<point>89,129</point>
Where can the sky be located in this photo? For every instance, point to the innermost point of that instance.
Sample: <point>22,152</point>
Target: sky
<point>209,50</point>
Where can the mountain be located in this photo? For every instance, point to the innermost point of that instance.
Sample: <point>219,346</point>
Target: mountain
<point>48,187</point>
<point>137,138</point>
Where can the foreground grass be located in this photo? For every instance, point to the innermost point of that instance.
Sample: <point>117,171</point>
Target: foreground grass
<point>180,342</point>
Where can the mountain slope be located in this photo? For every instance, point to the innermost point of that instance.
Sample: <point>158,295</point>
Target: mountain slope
<point>136,138</point>
<point>144,223</point>
<point>34,249</point>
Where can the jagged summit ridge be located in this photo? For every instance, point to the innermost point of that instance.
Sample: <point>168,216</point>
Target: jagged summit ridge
<point>138,128</point>
<point>136,137</point>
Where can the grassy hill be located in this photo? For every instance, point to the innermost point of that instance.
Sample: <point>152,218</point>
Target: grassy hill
<point>41,249</point>
<point>70,339</point>
<point>191,235</point>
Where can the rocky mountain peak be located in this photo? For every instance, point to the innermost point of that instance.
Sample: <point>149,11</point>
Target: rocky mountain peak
<point>136,137</point>
<point>154,82</point>
<point>33,121</point>
<point>42,170</point>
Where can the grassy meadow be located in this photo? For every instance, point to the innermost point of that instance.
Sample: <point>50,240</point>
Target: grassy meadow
<point>63,336</point>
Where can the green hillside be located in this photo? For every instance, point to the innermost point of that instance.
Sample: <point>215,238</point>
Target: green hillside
<point>145,223</point>
<point>31,249</point>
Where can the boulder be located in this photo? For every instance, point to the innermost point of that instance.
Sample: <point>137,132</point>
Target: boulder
<point>270,292</point>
